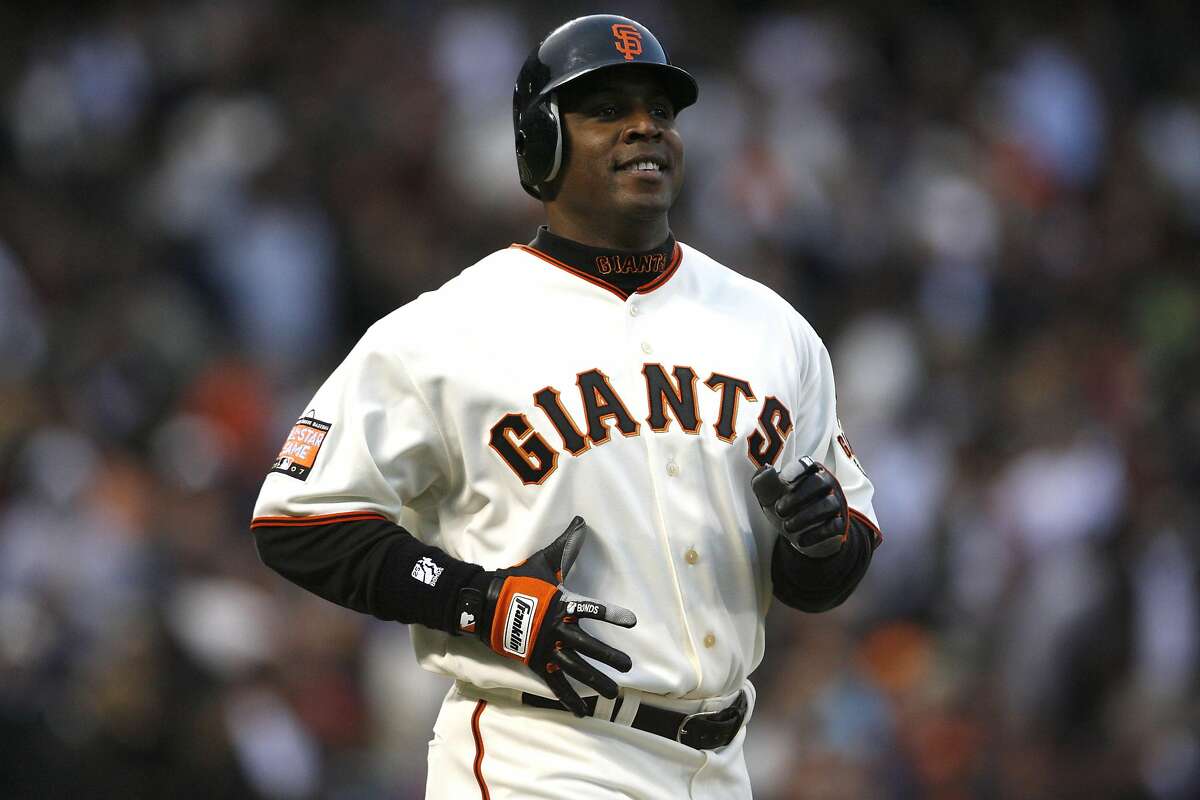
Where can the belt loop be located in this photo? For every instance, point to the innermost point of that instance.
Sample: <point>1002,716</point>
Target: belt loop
<point>631,701</point>
<point>604,708</point>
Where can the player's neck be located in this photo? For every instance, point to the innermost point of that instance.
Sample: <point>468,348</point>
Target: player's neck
<point>621,234</point>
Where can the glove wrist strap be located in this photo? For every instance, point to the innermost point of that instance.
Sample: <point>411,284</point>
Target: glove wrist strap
<point>471,605</point>
<point>469,612</point>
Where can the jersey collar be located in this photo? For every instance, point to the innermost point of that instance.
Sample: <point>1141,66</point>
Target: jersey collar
<point>622,272</point>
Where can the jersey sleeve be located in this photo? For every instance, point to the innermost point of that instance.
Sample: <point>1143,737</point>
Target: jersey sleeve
<point>815,585</point>
<point>819,432</point>
<point>368,443</point>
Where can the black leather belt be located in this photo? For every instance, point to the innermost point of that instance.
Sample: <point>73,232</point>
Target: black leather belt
<point>704,730</point>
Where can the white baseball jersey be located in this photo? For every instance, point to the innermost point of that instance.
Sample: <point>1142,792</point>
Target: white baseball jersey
<point>486,414</point>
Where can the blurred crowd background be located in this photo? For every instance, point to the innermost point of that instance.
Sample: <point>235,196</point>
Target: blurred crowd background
<point>991,213</point>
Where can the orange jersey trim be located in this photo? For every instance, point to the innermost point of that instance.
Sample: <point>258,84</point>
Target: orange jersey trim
<point>861,517</point>
<point>478,768</point>
<point>578,273</point>
<point>676,258</point>
<point>319,519</point>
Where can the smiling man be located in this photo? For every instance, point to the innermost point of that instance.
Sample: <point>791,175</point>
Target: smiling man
<point>625,164</point>
<point>604,409</point>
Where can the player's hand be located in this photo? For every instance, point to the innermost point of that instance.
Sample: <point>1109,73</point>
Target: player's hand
<point>529,616</point>
<point>807,505</point>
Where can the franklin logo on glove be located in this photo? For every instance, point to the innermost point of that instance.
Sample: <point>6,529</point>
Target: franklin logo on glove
<point>516,630</point>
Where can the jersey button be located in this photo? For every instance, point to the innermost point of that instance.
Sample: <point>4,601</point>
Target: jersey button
<point>709,640</point>
<point>672,469</point>
<point>646,348</point>
<point>634,310</point>
<point>691,556</point>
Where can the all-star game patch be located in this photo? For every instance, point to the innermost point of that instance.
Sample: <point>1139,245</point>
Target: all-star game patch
<point>299,452</point>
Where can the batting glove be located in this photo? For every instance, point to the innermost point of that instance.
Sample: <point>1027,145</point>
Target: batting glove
<point>807,505</point>
<point>527,615</point>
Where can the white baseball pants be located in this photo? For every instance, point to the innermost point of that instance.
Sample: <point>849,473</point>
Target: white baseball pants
<point>487,745</point>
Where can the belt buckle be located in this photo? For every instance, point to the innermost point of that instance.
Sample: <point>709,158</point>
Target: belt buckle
<point>683,725</point>
<point>734,711</point>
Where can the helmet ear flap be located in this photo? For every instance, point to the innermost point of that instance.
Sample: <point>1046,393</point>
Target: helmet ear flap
<point>539,145</point>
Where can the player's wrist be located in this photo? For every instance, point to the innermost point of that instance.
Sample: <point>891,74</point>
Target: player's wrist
<point>469,615</point>
<point>818,551</point>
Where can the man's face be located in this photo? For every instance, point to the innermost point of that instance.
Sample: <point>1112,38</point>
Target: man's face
<point>624,155</point>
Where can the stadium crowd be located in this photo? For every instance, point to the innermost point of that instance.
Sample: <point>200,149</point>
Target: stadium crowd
<point>991,214</point>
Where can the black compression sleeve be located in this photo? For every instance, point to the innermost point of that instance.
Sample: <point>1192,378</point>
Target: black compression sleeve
<point>819,584</point>
<point>372,566</point>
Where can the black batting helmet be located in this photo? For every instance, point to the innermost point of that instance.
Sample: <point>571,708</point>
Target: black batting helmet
<point>575,49</point>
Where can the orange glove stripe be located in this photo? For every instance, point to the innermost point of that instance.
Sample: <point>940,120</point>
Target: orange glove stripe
<point>514,629</point>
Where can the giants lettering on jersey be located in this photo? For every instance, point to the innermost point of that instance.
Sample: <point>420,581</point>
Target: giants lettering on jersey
<point>670,397</point>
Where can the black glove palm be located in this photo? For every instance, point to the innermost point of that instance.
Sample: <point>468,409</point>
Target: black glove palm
<point>807,504</point>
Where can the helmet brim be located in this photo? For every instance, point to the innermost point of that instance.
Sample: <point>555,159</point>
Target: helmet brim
<point>681,87</point>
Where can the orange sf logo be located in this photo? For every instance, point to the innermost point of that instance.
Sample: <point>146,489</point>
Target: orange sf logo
<point>628,40</point>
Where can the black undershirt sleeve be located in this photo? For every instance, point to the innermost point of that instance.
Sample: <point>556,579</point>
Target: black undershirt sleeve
<point>819,584</point>
<point>368,566</point>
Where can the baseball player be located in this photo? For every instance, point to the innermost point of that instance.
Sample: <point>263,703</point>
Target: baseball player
<point>561,466</point>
